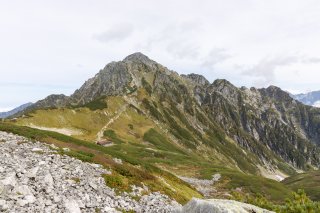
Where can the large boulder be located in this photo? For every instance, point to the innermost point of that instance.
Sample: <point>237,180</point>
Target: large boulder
<point>219,206</point>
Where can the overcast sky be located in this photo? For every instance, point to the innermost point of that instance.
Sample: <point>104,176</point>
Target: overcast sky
<point>53,46</point>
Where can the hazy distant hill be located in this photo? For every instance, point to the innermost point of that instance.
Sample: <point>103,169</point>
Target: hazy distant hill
<point>311,98</point>
<point>14,111</point>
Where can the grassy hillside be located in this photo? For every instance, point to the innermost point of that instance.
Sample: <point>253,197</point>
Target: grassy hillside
<point>160,140</point>
<point>82,119</point>
<point>309,181</point>
<point>151,163</point>
<point>124,175</point>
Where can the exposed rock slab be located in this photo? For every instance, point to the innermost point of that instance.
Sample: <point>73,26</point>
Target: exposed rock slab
<point>219,206</point>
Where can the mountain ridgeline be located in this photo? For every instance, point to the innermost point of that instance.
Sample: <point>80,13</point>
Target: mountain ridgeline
<point>311,98</point>
<point>249,128</point>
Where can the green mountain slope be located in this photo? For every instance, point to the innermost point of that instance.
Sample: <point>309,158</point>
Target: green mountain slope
<point>308,181</point>
<point>186,126</point>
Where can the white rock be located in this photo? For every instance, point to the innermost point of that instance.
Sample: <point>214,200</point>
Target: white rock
<point>3,205</point>
<point>32,173</point>
<point>1,188</point>
<point>10,180</point>
<point>48,203</point>
<point>30,199</point>
<point>22,203</point>
<point>37,150</point>
<point>48,180</point>
<point>93,185</point>
<point>54,146</point>
<point>110,210</point>
<point>72,206</point>
<point>56,199</point>
<point>81,204</point>
<point>22,190</point>
<point>41,163</point>
<point>117,160</point>
<point>216,177</point>
<point>66,149</point>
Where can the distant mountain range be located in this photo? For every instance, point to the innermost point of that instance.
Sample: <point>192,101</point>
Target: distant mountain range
<point>15,110</point>
<point>311,98</point>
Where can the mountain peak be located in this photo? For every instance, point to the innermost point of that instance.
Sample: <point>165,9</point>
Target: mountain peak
<point>273,88</point>
<point>276,93</point>
<point>138,57</point>
<point>196,78</point>
<point>222,83</point>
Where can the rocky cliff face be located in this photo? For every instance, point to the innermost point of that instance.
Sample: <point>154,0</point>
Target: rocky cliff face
<point>265,122</point>
<point>112,80</point>
<point>268,116</point>
<point>51,101</point>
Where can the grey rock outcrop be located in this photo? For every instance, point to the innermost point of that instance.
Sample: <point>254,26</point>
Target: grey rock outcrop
<point>52,101</point>
<point>219,206</point>
<point>112,80</point>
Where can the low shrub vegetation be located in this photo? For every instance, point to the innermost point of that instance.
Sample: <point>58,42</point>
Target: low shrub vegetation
<point>298,203</point>
<point>110,134</point>
<point>97,104</point>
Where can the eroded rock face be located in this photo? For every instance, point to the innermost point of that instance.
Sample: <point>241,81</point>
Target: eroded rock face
<point>219,206</point>
<point>112,80</point>
<point>34,178</point>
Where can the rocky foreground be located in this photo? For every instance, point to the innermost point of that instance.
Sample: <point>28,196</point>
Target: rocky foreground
<point>35,178</point>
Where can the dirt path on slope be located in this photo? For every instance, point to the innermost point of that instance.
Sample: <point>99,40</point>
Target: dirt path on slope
<point>113,119</point>
<point>65,131</point>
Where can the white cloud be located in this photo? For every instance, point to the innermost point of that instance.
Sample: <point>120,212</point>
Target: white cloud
<point>265,70</point>
<point>251,43</point>
<point>115,33</point>
<point>216,56</point>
